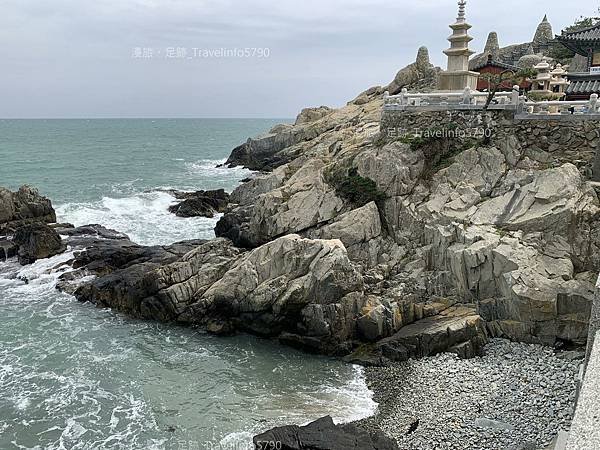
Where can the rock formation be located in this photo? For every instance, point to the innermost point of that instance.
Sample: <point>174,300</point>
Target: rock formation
<point>420,75</point>
<point>376,245</point>
<point>199,203</point>
<point>24,216</point>
<point>543,35</point>
<point>323,434</point>
<point>37,241</point>
<point>492,47</point>
<point>23,207</point>
<point>520,55</point>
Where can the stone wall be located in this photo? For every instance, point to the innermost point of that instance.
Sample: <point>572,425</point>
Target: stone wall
<point>554,140</point>
<point>585,429</point>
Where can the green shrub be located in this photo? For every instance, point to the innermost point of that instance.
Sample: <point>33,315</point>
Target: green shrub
<point>353,188</point>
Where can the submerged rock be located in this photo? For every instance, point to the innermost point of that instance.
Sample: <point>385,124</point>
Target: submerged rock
<point>323,434</point>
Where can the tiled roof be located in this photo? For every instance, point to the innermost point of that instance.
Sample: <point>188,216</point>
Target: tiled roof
<point>494,63</point>
<point>584,84</point>
<point>588,34</point>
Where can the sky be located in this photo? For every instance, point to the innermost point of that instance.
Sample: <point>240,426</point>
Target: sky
<point>230,58</point>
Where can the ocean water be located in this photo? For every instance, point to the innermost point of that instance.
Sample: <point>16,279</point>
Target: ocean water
<point>73,376</point>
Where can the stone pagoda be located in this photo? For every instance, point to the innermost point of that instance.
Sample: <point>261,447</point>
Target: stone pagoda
<point>458,76</point>
<point>540,85</point>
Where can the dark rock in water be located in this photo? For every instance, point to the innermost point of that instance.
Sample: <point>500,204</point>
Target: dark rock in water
<point>37,241</point>
<point>23,207</point>
<point>89,231</point>
<point>323,434</point>
<point>200,203</point>
<point>156,282</point>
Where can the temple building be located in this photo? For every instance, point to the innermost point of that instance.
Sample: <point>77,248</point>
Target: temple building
<point>458,76</point>
<point>495,67</point>
<point>586,80</point>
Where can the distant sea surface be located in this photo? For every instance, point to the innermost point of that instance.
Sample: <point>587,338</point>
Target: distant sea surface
<point>76,377</point>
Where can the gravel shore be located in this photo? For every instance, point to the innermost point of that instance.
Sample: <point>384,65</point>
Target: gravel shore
<point>518,396</point>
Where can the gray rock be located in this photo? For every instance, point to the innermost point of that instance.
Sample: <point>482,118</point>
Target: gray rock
<point>323,434</point>
<point>37,241</point>
<point>482,422</point>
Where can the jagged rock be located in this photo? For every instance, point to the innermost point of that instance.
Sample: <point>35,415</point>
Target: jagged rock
<point>456,330</point>
<point>420,75</point>
<point>150,282</point>
<point>23,207</point>
<point>37,241</point>
<point>395,167</point>
<point>264,152</point>
<point>543,34</point>
<point>323,434</point>
<point>200,203</point>
<point>266,290</point>
<point>492,47</point>
<point>312,114</point>
<point>269,291</point>
<point>304,201</point>
<point>361,232</point>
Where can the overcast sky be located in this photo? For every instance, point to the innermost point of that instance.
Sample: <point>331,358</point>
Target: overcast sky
<point>159,58</point>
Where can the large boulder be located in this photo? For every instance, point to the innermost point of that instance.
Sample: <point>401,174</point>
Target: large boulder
<point>420,75</point>
<point>267,289</point>
<point>304,201</point>
<point>37,241</point>
<point>200,203</point>
<point>23,207</point>
<point>308,115</point>
<point>323,434</point>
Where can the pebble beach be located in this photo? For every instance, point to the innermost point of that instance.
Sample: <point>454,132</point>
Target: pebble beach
<point>517,397</point>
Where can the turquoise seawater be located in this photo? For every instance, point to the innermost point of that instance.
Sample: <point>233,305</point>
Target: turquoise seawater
<point>76,377</point>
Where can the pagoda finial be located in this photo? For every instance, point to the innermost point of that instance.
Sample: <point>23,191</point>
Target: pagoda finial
<point>462,4</point>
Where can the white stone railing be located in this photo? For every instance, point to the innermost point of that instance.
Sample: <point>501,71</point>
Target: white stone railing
<point>469,100</point>
<point>591,106</point>
<point>458,100</point>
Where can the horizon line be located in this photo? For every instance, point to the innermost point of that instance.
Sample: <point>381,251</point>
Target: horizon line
<point>146,118</point>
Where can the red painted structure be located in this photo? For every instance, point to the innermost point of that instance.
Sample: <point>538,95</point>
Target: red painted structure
<point>496,68</point>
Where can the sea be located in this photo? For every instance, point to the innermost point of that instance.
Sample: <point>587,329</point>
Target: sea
<point>73,376</point>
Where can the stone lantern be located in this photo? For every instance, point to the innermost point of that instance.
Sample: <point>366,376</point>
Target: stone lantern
<point>558,83</point>
<point>540,85</point>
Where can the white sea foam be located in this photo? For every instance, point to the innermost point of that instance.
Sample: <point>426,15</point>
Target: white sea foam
<point>144,217</point>
<point>83,402</point>
<point>208,168</point>
<point>345,403</point>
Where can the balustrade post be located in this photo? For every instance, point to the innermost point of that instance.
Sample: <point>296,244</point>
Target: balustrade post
<point>514,97</point>
<point>403,96</point>
<point>467,96</point>
<point>593,104</point>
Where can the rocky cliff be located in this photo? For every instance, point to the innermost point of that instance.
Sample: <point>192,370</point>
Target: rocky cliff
<point>361,240</point>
